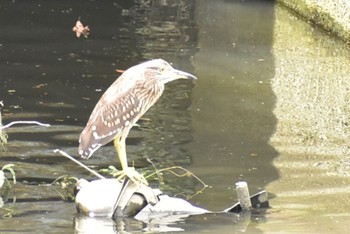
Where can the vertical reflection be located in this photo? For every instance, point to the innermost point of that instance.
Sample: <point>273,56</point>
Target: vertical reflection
<point>233,100</point>
<point>162,29</point>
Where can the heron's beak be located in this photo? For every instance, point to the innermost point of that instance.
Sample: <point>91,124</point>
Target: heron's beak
<point>174,74</point>
<point>182,75</point>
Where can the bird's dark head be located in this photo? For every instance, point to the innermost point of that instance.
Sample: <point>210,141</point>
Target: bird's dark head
<point>162,71</point>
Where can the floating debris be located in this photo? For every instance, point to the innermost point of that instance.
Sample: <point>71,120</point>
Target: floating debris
<point>112,198</point>
<point>120,71</point>
<point>39,86</point>
<point>79,29</point>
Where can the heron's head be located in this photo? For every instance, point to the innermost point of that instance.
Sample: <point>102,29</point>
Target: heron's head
<point>163,71</point>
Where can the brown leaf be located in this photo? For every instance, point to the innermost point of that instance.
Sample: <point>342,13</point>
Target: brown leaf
<point>79,29</point>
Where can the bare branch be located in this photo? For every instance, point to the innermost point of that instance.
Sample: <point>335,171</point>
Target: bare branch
<point>3,135</point>
<point>24,122</point>
<point>79,163</point>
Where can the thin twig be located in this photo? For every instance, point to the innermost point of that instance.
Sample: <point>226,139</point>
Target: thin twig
<point>187,172</point>
<point>24,122</point>
<point>79,163</point>
<point>156,171</point>
<point>170,169</point>
<point>58,179</point>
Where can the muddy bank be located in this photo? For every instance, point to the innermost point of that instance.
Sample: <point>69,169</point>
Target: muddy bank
<point>333,16</point>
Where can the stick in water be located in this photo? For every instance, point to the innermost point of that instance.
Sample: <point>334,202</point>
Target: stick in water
<point>243,195</point>
<point>79,163</point>
<point>24,122</point>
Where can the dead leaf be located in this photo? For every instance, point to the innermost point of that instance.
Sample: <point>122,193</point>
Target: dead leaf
<point>79,29</point>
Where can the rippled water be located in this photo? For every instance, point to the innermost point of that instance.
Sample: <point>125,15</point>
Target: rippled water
<point>269,107</point>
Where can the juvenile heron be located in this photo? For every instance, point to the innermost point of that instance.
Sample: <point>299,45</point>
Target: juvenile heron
<point>123,103</point>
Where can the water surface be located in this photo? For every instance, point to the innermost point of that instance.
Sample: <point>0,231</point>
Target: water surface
<point>269,107</point>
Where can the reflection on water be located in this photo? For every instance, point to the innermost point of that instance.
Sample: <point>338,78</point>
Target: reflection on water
<point>225,223</point>
<point>233,101</point>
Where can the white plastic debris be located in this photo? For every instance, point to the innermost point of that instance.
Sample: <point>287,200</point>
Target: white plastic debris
<point>168,206</point>
<point>104,197</point>
<point>96,198</point>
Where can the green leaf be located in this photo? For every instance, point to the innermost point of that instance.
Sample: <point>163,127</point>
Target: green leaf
<point>2,178</point>
<point>9,168</point>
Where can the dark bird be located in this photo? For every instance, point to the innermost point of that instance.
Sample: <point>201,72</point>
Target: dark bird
<point>123,103</point>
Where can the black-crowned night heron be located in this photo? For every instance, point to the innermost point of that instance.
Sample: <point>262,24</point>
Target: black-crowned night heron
<point>123,103</point>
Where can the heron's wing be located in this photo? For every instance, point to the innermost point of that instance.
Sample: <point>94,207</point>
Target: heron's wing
<point>114,114</point>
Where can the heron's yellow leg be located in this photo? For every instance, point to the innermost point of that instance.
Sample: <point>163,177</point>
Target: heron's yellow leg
<point>119,144</point>
<point>120,147</point>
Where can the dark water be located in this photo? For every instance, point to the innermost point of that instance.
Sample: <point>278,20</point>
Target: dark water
<point>219,127</point>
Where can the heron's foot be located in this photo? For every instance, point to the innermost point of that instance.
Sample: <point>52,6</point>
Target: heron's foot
<point>133,175</point>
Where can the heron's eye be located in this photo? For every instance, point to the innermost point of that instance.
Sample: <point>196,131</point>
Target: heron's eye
<point>161,69</point>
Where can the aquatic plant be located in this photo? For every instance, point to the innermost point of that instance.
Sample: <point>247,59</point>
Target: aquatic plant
<point>6,187</point>
<point>3,135</point>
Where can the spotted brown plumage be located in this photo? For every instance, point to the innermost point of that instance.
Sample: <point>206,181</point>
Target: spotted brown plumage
<point>123,103</point>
